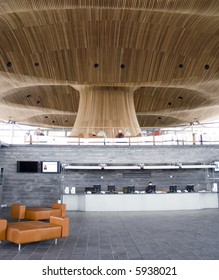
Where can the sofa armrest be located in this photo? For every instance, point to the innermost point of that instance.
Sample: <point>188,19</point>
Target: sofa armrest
<point>62,207</point>
<point>3,227</point>
<point>18,211</point>
<point>63,222</point>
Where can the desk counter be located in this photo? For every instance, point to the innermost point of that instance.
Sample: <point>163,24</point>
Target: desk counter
<point>141,202</point>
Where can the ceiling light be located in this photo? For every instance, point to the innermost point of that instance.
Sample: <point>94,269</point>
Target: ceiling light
<point>9,64</point>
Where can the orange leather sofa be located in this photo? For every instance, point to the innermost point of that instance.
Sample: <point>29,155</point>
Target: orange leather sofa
<point>3,226</point>
<point>20,212</point>
<point>34,231</point>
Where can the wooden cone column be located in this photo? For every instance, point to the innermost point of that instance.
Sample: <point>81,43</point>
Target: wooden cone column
<point>109,108</point>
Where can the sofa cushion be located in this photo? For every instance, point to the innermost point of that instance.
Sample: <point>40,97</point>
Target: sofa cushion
<point>3,226</point>
<point>41,213</point>
<point>32,231</point>
<point>18,211</point>
<point>63,222</point>
<point>62,207</point>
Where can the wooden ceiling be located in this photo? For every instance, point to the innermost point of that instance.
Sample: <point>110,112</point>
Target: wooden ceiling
<point>165,51</point>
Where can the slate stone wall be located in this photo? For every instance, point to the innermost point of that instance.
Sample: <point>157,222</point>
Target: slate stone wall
<point>42,189</point>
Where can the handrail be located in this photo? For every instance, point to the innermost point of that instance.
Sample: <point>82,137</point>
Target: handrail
<point>130,141</point>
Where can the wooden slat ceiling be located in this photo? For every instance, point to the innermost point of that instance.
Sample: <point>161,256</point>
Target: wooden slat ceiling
<point>166,51</point>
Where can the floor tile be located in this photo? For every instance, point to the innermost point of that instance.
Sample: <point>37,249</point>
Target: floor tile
<point>154,235</point>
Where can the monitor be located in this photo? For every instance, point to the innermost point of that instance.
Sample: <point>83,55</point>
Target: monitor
<point>96,188</point>
<point>190,188</point>
<point>130,189</point>
<point>28,166</point>
<point>111,188</point>
<point>173,189</point>
<point>50,167</point>
<point>88,189</point>
<point>150,189</point>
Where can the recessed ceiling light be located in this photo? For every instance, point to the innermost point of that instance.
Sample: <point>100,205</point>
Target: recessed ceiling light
<point>169,103</point>
<point>122,66</point>
<point>207,66</point>
<point>96,65</point>
<point>36,64</point>
<point>9,64</point>
<point>181,65</point>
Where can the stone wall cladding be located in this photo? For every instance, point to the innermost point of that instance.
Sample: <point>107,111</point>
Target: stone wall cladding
<point>43,189</point>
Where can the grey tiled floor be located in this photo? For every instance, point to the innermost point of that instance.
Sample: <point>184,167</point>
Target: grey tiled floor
<point>166,235</point>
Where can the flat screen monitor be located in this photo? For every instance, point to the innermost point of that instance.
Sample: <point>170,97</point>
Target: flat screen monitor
<point>111,188</point>
<point>190,188</point>
<point>173,189</point>
<point>50,167</point>
<point>88,189</point>
<point>96,188</point>
<point>130,189</point>
<point>150,189</point>
<point>28,166</point>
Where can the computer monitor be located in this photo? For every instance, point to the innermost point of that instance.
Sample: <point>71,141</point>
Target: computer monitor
<point>130,189</point>
<point>190,188</point>
<point>173,189</point>
<point>88,189</point>
<point>150,189</point>
<point>96,188</point>
<point>111,188</point>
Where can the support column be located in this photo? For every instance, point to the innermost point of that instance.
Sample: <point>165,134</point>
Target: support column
<point>109,108</point>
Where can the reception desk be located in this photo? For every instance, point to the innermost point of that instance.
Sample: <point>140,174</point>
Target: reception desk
<point>141,202</point>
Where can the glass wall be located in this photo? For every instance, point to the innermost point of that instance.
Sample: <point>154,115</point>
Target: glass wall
<point>192,134</point>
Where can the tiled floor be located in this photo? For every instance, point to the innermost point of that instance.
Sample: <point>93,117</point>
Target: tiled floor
<point>166,235</point>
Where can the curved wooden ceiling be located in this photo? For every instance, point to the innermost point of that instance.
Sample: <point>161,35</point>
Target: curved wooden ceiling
<point>166,51</point>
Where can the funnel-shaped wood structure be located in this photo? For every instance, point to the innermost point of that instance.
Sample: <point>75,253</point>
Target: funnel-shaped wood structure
<point>113,64</point>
